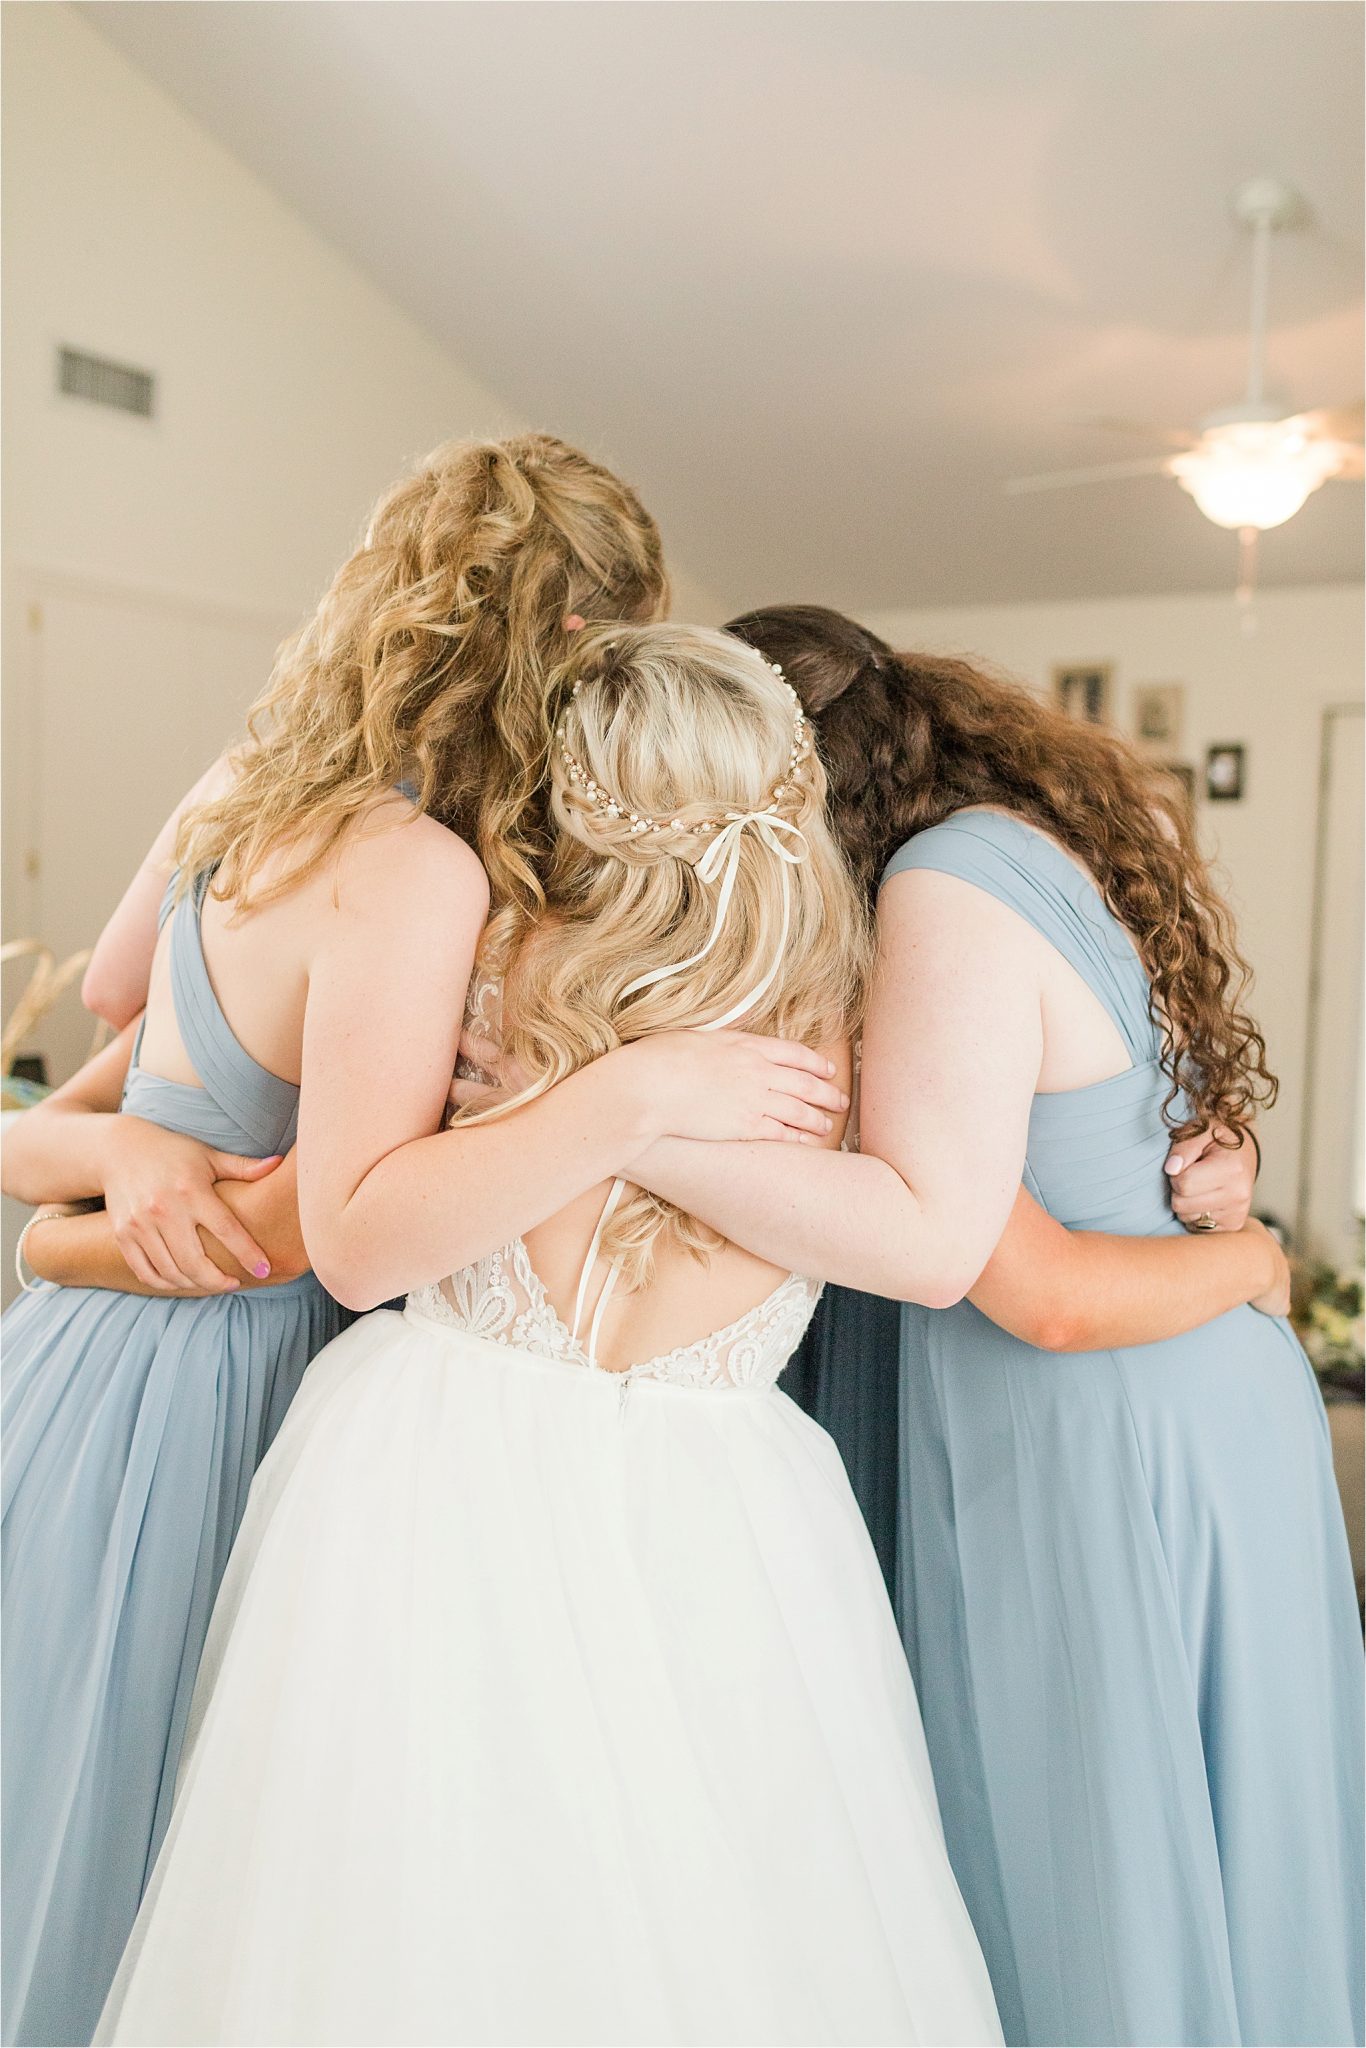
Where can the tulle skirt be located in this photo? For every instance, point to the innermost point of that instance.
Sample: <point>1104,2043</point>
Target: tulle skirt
<point>540,1710</point>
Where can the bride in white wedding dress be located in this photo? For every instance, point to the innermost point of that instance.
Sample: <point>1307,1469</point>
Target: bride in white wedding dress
<point>553,1694</point>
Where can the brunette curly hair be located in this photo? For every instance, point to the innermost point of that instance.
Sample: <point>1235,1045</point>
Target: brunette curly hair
<point>908,739</point>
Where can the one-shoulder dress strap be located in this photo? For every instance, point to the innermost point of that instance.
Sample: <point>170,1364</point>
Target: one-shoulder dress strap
<point>265,1106</point>
<point>1029,872</point>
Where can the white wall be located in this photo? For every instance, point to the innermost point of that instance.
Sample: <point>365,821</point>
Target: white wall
<point>151,566</point>
<point>1268,691</point>
<point>288,392</point>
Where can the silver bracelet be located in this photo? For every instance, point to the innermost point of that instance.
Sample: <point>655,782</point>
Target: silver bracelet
<point>38,1216</point>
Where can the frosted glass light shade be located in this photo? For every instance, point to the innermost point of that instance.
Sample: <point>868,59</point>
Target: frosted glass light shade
<point>1253,473</point>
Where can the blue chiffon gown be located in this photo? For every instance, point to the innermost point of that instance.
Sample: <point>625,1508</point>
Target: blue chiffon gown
<point>1126,1596</point>
<point>132,1428</point>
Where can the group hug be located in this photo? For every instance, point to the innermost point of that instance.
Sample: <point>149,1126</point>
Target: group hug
<point>426,1618</point>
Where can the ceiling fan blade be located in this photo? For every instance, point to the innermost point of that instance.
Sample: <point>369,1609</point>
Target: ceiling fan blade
<point>1169,437</point>
<point>1098,473</point>
<point>1332,422</point>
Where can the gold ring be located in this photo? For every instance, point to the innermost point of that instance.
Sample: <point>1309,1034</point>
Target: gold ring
<point>1204,1222</point>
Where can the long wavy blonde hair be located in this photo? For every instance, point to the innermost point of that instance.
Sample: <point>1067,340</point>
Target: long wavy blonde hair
<point>669,734</point>
<point>427,661</point>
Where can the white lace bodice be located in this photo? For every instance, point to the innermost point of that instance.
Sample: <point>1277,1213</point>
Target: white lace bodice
<point>502,1299</point>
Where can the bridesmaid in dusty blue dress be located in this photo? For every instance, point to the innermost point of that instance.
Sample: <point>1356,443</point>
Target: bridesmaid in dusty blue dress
<point>132,1429</point>
<point>1127,1599</point>
<point>1121,1573</point>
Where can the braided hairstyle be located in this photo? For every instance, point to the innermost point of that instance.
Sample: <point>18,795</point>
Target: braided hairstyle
<point>669,733</point>
<point>908,739</point>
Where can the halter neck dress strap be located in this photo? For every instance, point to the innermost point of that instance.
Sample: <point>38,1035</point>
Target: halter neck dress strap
<point>265,1105</point>
<point>234,1102</point>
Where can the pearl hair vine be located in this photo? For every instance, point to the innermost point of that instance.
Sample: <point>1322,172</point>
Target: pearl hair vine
<point>639,823</point>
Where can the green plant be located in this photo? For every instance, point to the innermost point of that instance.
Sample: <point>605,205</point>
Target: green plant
<point>1330,1321</point>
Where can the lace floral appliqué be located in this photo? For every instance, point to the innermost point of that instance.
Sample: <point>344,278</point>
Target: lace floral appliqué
<point>503,1300</point>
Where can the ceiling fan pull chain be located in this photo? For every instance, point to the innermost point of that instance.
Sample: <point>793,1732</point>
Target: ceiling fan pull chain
<point>1247,577</point>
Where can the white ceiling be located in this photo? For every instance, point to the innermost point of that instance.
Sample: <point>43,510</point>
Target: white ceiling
<point>819,277</point>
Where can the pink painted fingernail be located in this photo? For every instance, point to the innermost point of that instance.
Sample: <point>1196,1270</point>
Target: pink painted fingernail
<point>262,1271</point>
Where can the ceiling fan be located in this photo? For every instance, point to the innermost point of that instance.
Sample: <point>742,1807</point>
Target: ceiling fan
<point>1251,465</point>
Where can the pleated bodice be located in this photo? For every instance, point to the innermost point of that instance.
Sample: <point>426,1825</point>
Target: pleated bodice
<point>239,1106</point>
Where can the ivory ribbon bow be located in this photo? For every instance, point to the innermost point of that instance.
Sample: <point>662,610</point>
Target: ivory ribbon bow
<point>722,859</point>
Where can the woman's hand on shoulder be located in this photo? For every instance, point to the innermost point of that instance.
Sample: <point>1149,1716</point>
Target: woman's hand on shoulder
<point>1212,1178</point>
<point>737,1084</point>
<point>720,1085</point>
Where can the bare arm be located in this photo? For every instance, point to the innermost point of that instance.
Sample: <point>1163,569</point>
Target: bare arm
<point>388,1200</point>
<point>1065,1290</point>
<point>119,971</point>
<point>54,1151</point>
<point>940,1177</point>
<point>1058,1289</point>
<point>383,1211</point>
<point>82,1251</point>
<point>163,1192</point>
<point>951,1054</point>
<point>385,997</point>
<point>1061,1290</point>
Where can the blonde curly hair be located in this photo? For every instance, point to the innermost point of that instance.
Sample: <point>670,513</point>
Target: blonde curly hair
<point>670,734</point>
<point>427,661</point>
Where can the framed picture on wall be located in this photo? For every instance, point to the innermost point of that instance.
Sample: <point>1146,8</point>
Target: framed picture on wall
<point>1083,691</point>
<point>1224,774</point>
<point>1159,716</point>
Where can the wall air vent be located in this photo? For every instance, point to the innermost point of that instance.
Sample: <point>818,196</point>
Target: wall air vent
<point>104,383</point>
